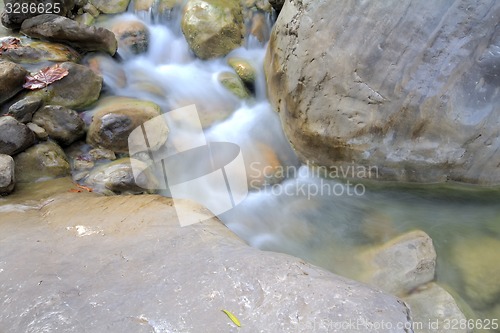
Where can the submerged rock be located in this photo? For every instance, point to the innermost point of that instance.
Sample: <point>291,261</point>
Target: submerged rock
<point>414,92</point>
<point>213,28</point>
<point>78,90</point>
<point>116,117</point>
<point>14,136</point>
<point>12,78</point>
<point>434,308</point>
<point>64,30</point>
<point>7,175</point>
<point>61,124</point>
<point>152,274</point>
<point>41,162</point>
<point>118,177</point>
<point>402,264</point>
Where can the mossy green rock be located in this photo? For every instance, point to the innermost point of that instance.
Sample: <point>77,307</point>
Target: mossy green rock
<point>78,90</point>
<point>234,84</point>
<point>111,7</point>
<point>244,69</point>
<point>41,162</point>
<point>213,28</point>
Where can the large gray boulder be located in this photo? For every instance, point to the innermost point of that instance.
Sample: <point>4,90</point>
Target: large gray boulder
<point>124,264</point>
<point>410,87</point>
<point>56,28</point>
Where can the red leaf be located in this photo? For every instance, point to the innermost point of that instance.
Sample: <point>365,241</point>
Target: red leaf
<point>45,77</point>
<point>10,43</point>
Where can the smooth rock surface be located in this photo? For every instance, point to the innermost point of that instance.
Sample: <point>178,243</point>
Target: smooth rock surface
<point>118,177</point>
<point>24,109</point>
<point>11,79</point>
<point>43,161</point>
<point>124,264</point>
<point>35,52</point>
<point>213,28</point>
<point>14,136</point>
<point>116,117</point>
<point>7,174</point>
<point>402,264</point>
<point>61,124</point>
<point>64,30</point>
<point>408,86</point>
<point>78,90</point>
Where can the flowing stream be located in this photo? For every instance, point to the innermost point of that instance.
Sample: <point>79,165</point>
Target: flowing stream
<point>321,220</point>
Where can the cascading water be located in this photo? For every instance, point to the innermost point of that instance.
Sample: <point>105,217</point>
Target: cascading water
<point>322,220</point>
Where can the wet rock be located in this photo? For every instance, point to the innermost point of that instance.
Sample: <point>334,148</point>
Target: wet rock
<point>263,166</point>
<point>213,28</point>
<point>476,260</point>
<point>277,4</point>
<point>41,162</point>
<point>433,304</point>
<point>111,7</point>
<point>116,117</point>
<point>39,132</point>
<point>413,92</point>
<point>132,36</point>
<point>60,29</point>
<point>78,90</point>
<point>86,19</point>
<point>14,18</point>
<point>7,176</point>
<point>89,8</point>
<point>61,124</point>
<point>152,272</point>
<point>244,69</point>
<point>103,63</point>
<point>36,52</point>
<point>118,177</point>
<point>102,154</point>
<point>11,79</point>
<point>14,136</point>
<point>402,264</point>
<point>24,109</point>
<point>234,84</point>
<point>259,28</point>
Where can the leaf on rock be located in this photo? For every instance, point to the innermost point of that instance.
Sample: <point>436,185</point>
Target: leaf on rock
<point>232,317</point>
<point>9,43</point>
<point>45,77</point>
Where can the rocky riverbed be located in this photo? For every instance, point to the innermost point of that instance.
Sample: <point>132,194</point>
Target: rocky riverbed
<point>86,244</point>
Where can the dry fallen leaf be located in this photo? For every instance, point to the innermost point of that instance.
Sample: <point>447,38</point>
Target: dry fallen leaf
<point>45,77</point>
<point>10,43</point>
